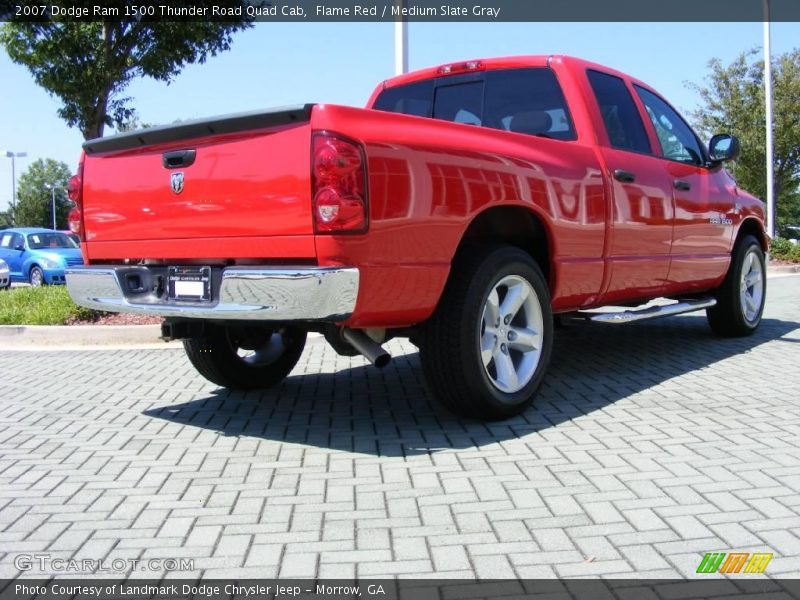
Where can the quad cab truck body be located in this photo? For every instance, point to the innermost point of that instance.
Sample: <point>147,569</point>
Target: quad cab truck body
<point>464,207</point>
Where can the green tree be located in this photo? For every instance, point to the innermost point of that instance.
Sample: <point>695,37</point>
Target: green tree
<point>733,102</point>
<point>132,124</point>
<point>88,65</point>
<point>34,198</point>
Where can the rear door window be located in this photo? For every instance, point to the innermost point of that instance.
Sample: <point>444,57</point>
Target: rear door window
<point>620,115</point>
<point>527,101</point>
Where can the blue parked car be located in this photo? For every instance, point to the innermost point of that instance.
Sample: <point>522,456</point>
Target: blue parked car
<point>38,256</point>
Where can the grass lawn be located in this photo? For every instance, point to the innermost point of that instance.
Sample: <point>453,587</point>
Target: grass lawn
<point>46,305</point>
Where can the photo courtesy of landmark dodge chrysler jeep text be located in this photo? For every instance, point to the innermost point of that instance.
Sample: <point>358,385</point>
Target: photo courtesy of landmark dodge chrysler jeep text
<point>463,208</point>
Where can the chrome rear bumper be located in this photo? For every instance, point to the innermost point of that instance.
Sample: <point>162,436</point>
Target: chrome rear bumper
<point>254,293</point>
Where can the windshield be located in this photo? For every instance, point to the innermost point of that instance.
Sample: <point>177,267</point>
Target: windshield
<point>55,239</point>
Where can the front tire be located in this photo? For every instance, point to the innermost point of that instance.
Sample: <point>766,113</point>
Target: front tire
<point>245,359</point>
<point>485,350</point>
<point>36,277</point>
<point>741,297</point>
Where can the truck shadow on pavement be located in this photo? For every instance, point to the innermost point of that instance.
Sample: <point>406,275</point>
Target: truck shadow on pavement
<point>390,413</point>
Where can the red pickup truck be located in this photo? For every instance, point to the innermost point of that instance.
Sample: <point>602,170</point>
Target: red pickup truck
<point>463,208</point>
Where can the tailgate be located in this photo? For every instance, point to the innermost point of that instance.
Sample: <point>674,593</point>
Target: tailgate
<point>243,175</point>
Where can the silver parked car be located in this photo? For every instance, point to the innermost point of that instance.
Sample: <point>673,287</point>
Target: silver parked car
<point>5,275</point>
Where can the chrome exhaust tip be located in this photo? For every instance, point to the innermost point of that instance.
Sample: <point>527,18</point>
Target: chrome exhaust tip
<point>368,347</point>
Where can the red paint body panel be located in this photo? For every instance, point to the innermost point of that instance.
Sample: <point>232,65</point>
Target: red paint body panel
<point>300,247</point>
<point>700,248</point>
<point>641,228</point>
<point>426,188</point>
<point>255,184</point>
<point>247,196</point>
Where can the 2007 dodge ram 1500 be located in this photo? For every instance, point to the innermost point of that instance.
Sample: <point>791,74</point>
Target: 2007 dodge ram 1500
<point>463,208</point>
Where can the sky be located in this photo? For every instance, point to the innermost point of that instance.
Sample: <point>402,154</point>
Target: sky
<point>275,64</point>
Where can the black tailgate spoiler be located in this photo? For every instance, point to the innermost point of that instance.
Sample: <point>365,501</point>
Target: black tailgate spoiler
<point>234,123</point>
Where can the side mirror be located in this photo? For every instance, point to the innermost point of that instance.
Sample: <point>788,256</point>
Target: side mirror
<point>20,247</point>
<point>723,147</point>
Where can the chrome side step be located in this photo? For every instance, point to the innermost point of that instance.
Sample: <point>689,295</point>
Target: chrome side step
<point>667,310</point>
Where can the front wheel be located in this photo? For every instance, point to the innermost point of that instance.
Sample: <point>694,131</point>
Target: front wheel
<point>244,358</point>
<point>485,350</point>
<point>741,297</point>
<point>36,277</point>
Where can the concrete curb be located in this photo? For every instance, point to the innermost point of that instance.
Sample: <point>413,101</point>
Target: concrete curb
<point>42,337</point>
<point>16,337</point>
<point>82,337</point>
<point>782,269</point>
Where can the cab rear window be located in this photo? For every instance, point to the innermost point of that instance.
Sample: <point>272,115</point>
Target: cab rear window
<point>526,100</point>
<point>413,99</point>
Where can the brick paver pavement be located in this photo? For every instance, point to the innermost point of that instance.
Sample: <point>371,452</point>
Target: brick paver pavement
<point>649,445</point>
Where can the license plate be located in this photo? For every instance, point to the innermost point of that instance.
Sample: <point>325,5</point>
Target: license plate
<point>191,284</point>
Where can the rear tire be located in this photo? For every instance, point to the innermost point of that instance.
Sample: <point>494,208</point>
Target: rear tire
<point>485,350</point>
<point>741,297</point>
<point>245,359</point>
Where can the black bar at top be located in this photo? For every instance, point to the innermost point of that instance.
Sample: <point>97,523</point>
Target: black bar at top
<point>414,10</point>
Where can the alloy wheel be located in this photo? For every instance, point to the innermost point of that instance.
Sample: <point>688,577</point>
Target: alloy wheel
<point>510,335</point>
<point>751,287</point>
<point>37,278</point>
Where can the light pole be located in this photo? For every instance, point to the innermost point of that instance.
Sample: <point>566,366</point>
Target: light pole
<point>768,105</point>
<point>52,188</point>
<point>401,40</point>
<point>12,156</point>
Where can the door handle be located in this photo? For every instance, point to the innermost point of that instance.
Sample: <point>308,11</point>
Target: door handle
<point>178,158</point>
<point>624,176</point>
<point>680,184</point>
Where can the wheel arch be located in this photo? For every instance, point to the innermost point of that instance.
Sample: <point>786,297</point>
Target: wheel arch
<point>517,226</point>
<point>752,226</point>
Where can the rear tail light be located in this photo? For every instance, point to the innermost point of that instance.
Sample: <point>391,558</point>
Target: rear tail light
<point>339,185</point>
<point>75,193</point>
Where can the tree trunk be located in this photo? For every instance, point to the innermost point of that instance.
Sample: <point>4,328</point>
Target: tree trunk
<point>94,129</point>
<point>96,125</point>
